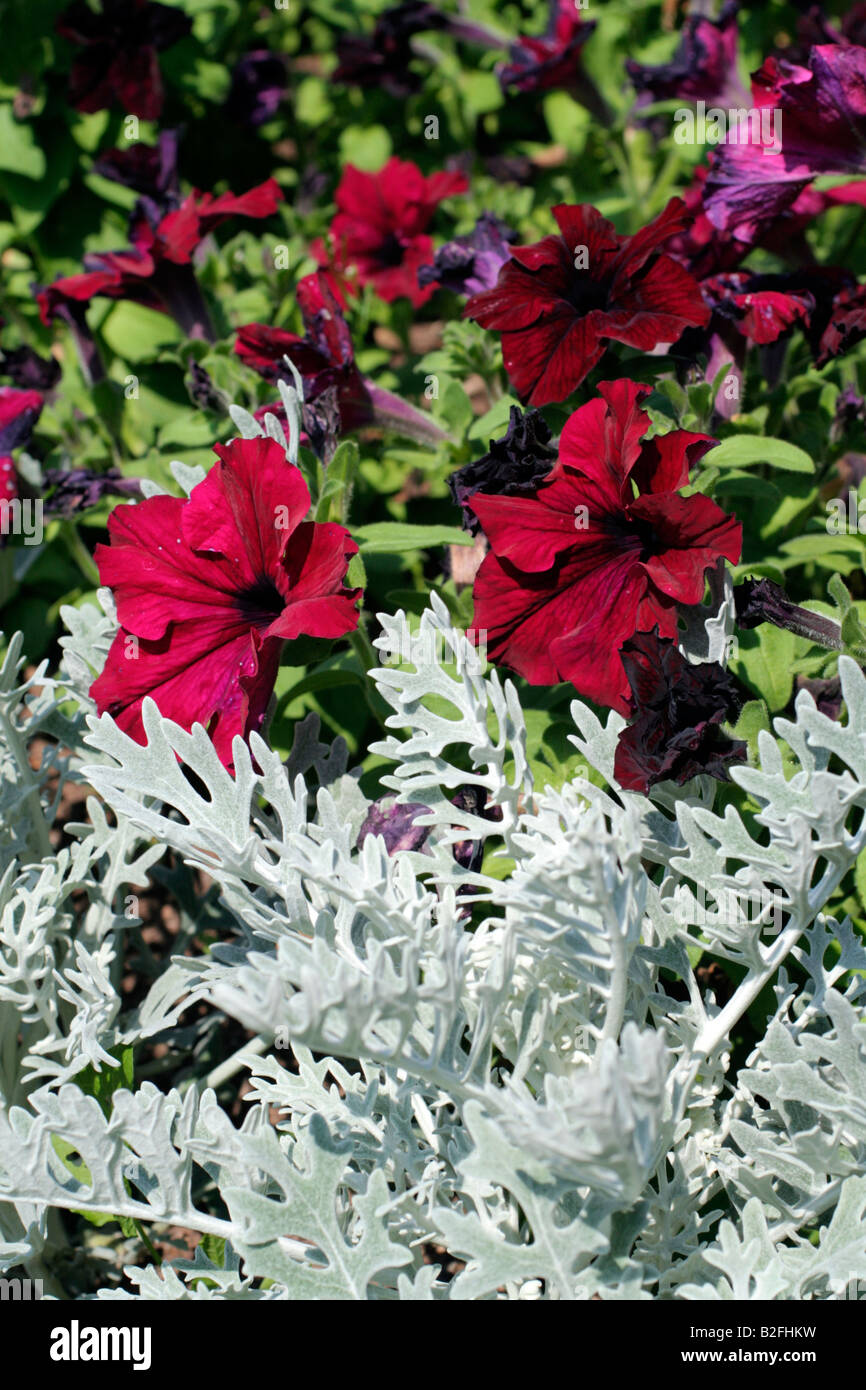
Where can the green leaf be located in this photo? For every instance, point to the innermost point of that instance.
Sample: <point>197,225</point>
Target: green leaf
<point>764,660</point>
<point>396,537</point>
<point>860,878</point>
<point>754,717</point>
<point>19,152</point>
<point>367,147</point>
<point>455,408</point>
<point>102,1084</point>
<point>336,493</point>
<point>214,1247</point>
<point>853,631</point>
<point>137,333</point>
<point>746,450</point>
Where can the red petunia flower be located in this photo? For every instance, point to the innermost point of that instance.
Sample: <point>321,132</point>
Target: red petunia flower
<point>19,411</point>
<point>760,307</point>
<point>381,223</point>
<point>324,356</point>
<point>337,398</point>
<point>558,302</point>
<point>119,58</point>
<point>554,58</point>
<point>606,548</point>
<point>156,270</point>
<point>844,324</point>
<point>209,588</point>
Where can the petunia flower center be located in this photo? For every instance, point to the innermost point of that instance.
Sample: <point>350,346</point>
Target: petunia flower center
<point>390,251</point>
<point>585,293</point>
<point>633,534</point>
<point>260,603</point>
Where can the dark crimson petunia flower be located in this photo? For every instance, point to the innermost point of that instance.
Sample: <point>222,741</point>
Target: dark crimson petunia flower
<point>514,465</point>
<point>605,548</point>
<point>845,324</point>
<point>553,59</point>
<point>703,67</point>
<point>822,130</point>
<point>156,269</point>
<point>679,708</point>
<point>559,302</point>
<point>381,224</point>
<point>471,263</point>
<point>324,356</point>
<point>119,59</point>
<point>258,86</point>
<point>759,307</point>
<point>336,397</point>
<point>19,411</point>
<point>208,589</point>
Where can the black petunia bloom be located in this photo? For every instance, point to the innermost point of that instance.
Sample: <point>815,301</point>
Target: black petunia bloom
<point>762,601</point>
<point>258,87</point>
<point>381,59</point>
<point>679,707</point>
<point>150,170</point>
<point>513,465</point>
<point>826,693</point>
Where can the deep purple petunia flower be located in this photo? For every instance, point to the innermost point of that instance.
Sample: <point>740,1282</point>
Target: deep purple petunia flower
<point>395,822</point>
<point>817,126</point>
<point>119,61</point>
<point>703,67</point>
<point>77,489</point>
<point>471,263</point>
<point>514,465</point>
<point>28,370</point>
<point>679,707</point>
<point>258,86</point>
<point>826,693</point>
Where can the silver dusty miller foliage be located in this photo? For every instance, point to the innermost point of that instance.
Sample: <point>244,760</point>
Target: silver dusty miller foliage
<point>523,1087</point>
